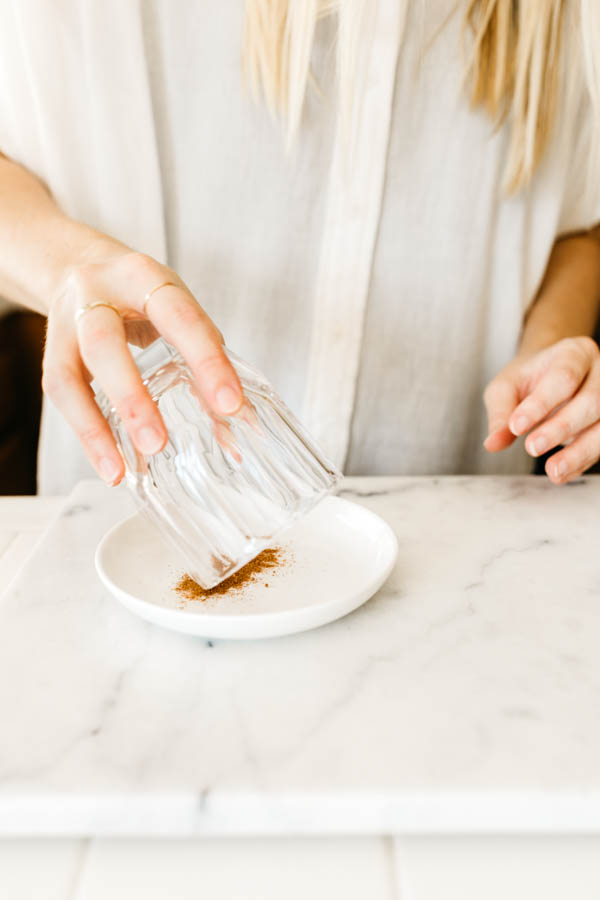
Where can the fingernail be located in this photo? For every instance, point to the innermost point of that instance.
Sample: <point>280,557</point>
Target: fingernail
<point>538,446</point>
<point>228,400</point>
<point>149,440</point>
<point>560,469</point>
<point>109,470</point>
<point>519,425</point>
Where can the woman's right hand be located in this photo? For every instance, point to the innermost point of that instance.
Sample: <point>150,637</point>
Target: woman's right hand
<point>95,347</point>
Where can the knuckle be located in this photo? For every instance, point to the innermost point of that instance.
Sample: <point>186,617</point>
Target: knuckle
<point>141,265</point>
<point>568,344</point>
<point>586,461</point>
<point>185,316</point>
<point>583,457</point>
<point>210,364</point>
<point>568,377</point>
<point>211,330</point>
<point>563,430</point>
<point>91,436</point>
<point>135,406</point>
<point>95,337</point>
<point>49,381</point>
<point>492,390</point>
<point>79,278</point>
<point>593,405</point>
<point>587,345</point>
<point>488,392</point>
<point>56,379</point>
<point>79,283</point>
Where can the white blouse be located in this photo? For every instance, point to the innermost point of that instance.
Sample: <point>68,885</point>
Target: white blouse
<point>379,297</point>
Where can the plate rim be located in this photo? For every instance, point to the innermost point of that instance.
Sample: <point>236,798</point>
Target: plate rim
<point>267,624</point>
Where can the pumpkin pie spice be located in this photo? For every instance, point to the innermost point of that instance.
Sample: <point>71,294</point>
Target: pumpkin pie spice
<point>270,559</point>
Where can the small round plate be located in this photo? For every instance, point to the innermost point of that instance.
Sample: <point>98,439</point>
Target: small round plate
<point>334,559</point>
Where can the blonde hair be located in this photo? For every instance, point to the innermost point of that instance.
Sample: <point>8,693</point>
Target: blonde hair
<point>515,64</point>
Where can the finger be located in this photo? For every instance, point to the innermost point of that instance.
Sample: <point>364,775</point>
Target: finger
<point>183,322</point>
<point>500,398</point>
<point>158,293</point>
<point>575,459</point>
<point>555,387</point>
<point>65,385</point>
<point>572,418</point>
<point>104,350</point>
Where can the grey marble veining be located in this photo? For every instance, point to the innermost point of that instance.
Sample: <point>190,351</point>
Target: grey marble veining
<point>465,696</point>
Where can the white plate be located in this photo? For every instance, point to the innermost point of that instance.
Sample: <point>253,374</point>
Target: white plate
<point>336,557</point>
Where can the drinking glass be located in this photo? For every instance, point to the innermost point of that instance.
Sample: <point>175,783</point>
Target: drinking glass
<point>224,487</point>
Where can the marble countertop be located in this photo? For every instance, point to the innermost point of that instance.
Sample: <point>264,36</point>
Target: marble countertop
<point>463,698</point>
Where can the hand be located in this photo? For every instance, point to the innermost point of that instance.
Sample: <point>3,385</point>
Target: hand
<point>96,347</point>
<point>554,397</point>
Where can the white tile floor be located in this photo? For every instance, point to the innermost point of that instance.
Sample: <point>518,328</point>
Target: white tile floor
<point>498,868</point>
<point>301,868</point>
<point>294,869</point>
<point>40,869</point>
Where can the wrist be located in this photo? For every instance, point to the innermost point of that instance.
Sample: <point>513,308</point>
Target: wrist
<point>532,344</point>
<point>538,335</point>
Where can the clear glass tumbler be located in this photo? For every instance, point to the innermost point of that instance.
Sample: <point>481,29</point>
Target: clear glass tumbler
<point>222,489</point>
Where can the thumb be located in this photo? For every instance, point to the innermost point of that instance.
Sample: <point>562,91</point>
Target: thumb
<point>501,397</point>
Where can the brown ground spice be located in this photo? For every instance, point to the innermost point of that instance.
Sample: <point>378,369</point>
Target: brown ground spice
<point>271,558</point>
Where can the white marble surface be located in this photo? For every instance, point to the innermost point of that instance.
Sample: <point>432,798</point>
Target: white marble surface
<point>462,698</point>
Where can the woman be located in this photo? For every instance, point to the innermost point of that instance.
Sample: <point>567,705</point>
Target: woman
<point>428,231</point>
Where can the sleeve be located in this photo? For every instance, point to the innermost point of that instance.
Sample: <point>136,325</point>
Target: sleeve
<point>580,208</point>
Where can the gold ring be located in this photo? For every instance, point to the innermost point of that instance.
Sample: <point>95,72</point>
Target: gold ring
<point>86,308</point>
<point>154,290</point>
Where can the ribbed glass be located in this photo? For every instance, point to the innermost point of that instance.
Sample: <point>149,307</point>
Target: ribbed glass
<point>225,488</point>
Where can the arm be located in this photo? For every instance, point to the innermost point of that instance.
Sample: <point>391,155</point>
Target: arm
<point>568,302</point>
<point>55,265</point>
<point>551,390</point>
<point>38,243</point>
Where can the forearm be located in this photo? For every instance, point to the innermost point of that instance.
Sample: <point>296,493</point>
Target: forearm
<point>568,301</point>
<point>39,244</point>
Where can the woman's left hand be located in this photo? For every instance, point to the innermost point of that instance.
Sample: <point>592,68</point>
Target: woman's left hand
<point>553,397</point>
